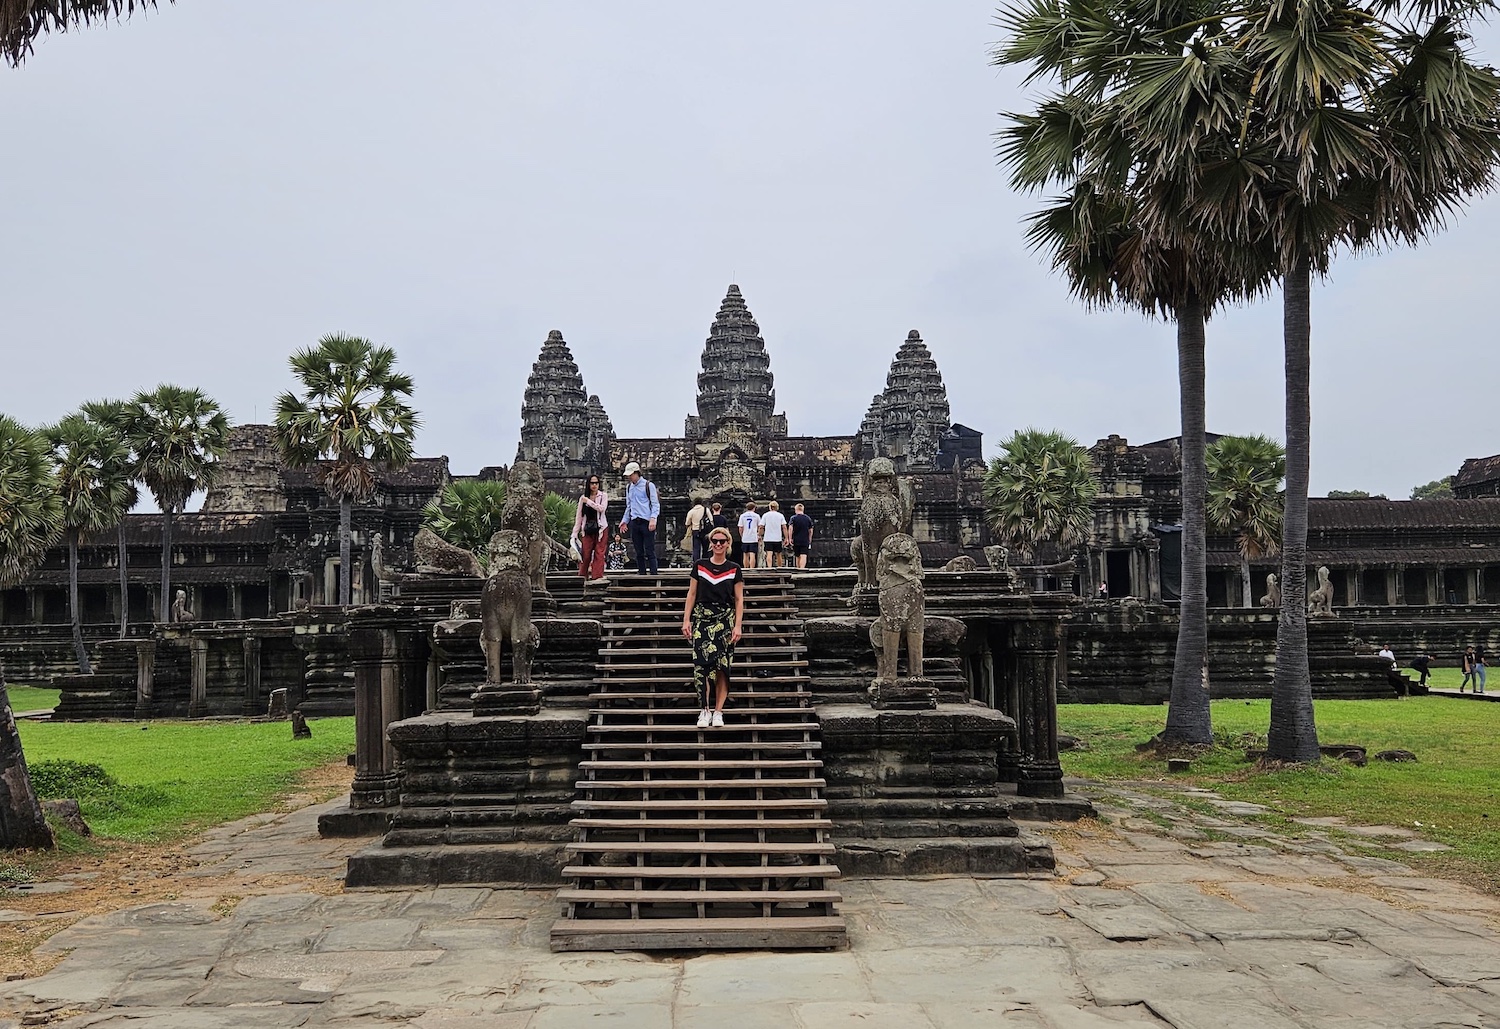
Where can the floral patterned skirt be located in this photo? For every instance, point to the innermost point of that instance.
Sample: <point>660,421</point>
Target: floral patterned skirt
<point>712,650</point>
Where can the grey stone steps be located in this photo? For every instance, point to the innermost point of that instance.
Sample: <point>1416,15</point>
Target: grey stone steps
<point>690,713</point>
<point>704,763</point>
<point>699,824</point>
<point>735,745</point>
<point>689,725</point>
<point>749,804</point>
<point>697,847</point>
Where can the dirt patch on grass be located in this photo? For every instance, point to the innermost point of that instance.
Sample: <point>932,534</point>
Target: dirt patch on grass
<point>107,875</point>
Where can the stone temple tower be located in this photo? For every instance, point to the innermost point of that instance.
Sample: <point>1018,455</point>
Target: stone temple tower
<point>907,420</point>
<point>736,380</point>
<point>563,429</point>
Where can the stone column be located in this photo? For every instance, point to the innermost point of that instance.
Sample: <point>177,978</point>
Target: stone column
<point>1399,587</point>
<point>145,672</point>
<point>254,704</point>
<point>1039,774</point>
<point>386,667</point>
<point>236,602</point>
<point>198,681</point>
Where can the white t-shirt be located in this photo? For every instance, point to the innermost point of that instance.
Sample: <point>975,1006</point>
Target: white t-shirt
<point>749,527</point>
<point>773,522</point>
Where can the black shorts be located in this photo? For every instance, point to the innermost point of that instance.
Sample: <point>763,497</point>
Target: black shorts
<point>772,548</point>
<point>801,549</point>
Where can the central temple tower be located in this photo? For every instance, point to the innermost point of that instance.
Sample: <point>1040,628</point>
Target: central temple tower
<point>736,381</point>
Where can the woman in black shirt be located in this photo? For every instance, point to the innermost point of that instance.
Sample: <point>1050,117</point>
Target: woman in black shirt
<point>712,619</point>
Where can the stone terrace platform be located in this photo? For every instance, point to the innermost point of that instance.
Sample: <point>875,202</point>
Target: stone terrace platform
<point>1141,927</point>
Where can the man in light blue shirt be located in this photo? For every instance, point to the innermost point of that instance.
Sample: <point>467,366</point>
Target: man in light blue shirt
<point>642,508</point>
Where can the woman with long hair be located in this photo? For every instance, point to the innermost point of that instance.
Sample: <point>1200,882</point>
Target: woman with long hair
<point>590,529</point>
<point>712,619</point>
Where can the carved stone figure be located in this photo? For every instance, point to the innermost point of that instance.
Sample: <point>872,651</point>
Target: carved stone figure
<point>436,556</point>
<point>523,514</point>
<point>1272,599</point>
<point>997,557</point>
<point>1320,600</point>
<point>377,558</point>
<point>962,563</point>
<point>180,610</point>
<point>885,508</point>
<point>903,607</point>
<point>505,608</point>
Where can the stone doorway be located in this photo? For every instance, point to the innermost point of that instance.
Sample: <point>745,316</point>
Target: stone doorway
<point>1117,573</point>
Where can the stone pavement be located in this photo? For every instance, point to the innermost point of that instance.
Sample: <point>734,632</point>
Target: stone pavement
<point>1165,916</point>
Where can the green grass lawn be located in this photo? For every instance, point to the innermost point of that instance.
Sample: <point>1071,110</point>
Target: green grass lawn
<point>32,698</point>
<point>169,778</point>
<point>1453,790</point>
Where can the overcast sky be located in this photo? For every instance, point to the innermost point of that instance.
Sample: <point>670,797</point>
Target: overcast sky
<point>194,194</point>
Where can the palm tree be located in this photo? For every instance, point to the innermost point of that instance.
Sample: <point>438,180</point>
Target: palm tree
<point>178,435</point>
<point>1244,497</point>
<point>90,463</point>
<point>111,415</point>
<point>353,415</point>
<point>1041,490</point>
<point>21,21</point>
<point>467,513</point>
<point>1118,234</point>
<point>31,509</point>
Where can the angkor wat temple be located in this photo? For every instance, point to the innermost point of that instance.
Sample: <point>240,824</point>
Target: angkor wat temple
<point>265,541</point>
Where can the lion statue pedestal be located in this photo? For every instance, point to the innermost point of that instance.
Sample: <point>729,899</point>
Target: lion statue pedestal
<point>505,611</point>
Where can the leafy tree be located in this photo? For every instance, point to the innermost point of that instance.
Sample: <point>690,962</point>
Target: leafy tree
<point>1437,489</point>
<point>353,416</point>
<point>111,415</point>
<point>1244,497</point>
<point>31,513</point>
<point>31,510</point>
<point>21,21</point>
<point>1354,494</point>
<point>178,436</point>
<point>467,512</point>
<point>1041,490</point>
<point>91,462</point>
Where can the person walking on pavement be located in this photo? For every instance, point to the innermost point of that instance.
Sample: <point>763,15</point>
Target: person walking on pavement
<point>642,509</point>
<point>1468,666</point>
<point>1479,668</point>
<point>713,618</point>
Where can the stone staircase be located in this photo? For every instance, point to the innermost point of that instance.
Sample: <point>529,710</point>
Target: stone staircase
<point>693,838</point>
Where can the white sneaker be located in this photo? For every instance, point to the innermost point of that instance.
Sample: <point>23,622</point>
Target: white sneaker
<point>703,717</point>
<point>718,722</point>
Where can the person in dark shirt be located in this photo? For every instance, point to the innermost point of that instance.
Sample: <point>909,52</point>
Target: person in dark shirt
<point>1422,665</point>
<point>802,534</point>
<point>1479,668</point>
<point>712,620</point>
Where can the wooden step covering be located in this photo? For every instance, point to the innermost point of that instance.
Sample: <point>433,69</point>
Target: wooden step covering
<point>711,838</point>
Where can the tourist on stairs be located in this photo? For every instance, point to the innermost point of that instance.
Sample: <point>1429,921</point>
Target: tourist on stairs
<point>642,509</point>
<point>591,530</point>
<point>712,619</point>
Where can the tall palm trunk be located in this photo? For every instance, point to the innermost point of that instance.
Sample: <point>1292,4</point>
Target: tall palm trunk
<point>1294,734</point>
<point>1188,718</point>
<point>123,562</point>
<point>1247,594</point>
<point>346,516</point>
<point>165,607</point>
<point>73,613</point>
<point>22,823</point>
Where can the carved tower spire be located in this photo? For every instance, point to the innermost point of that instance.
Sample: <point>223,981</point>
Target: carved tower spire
<point>555,414</point>
<point>736,379</point>
<point>906,422</point>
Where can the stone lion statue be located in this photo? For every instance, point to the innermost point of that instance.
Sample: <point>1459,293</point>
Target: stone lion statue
<point>505,608</point>
<point>180,610</point>
<point>885,508</point>
<point>434,555</point>
<point>961,563</point>
<point>1320,600</point>
<point>903,606</point>
<point>1272,599</point>
<point>523,513</point>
